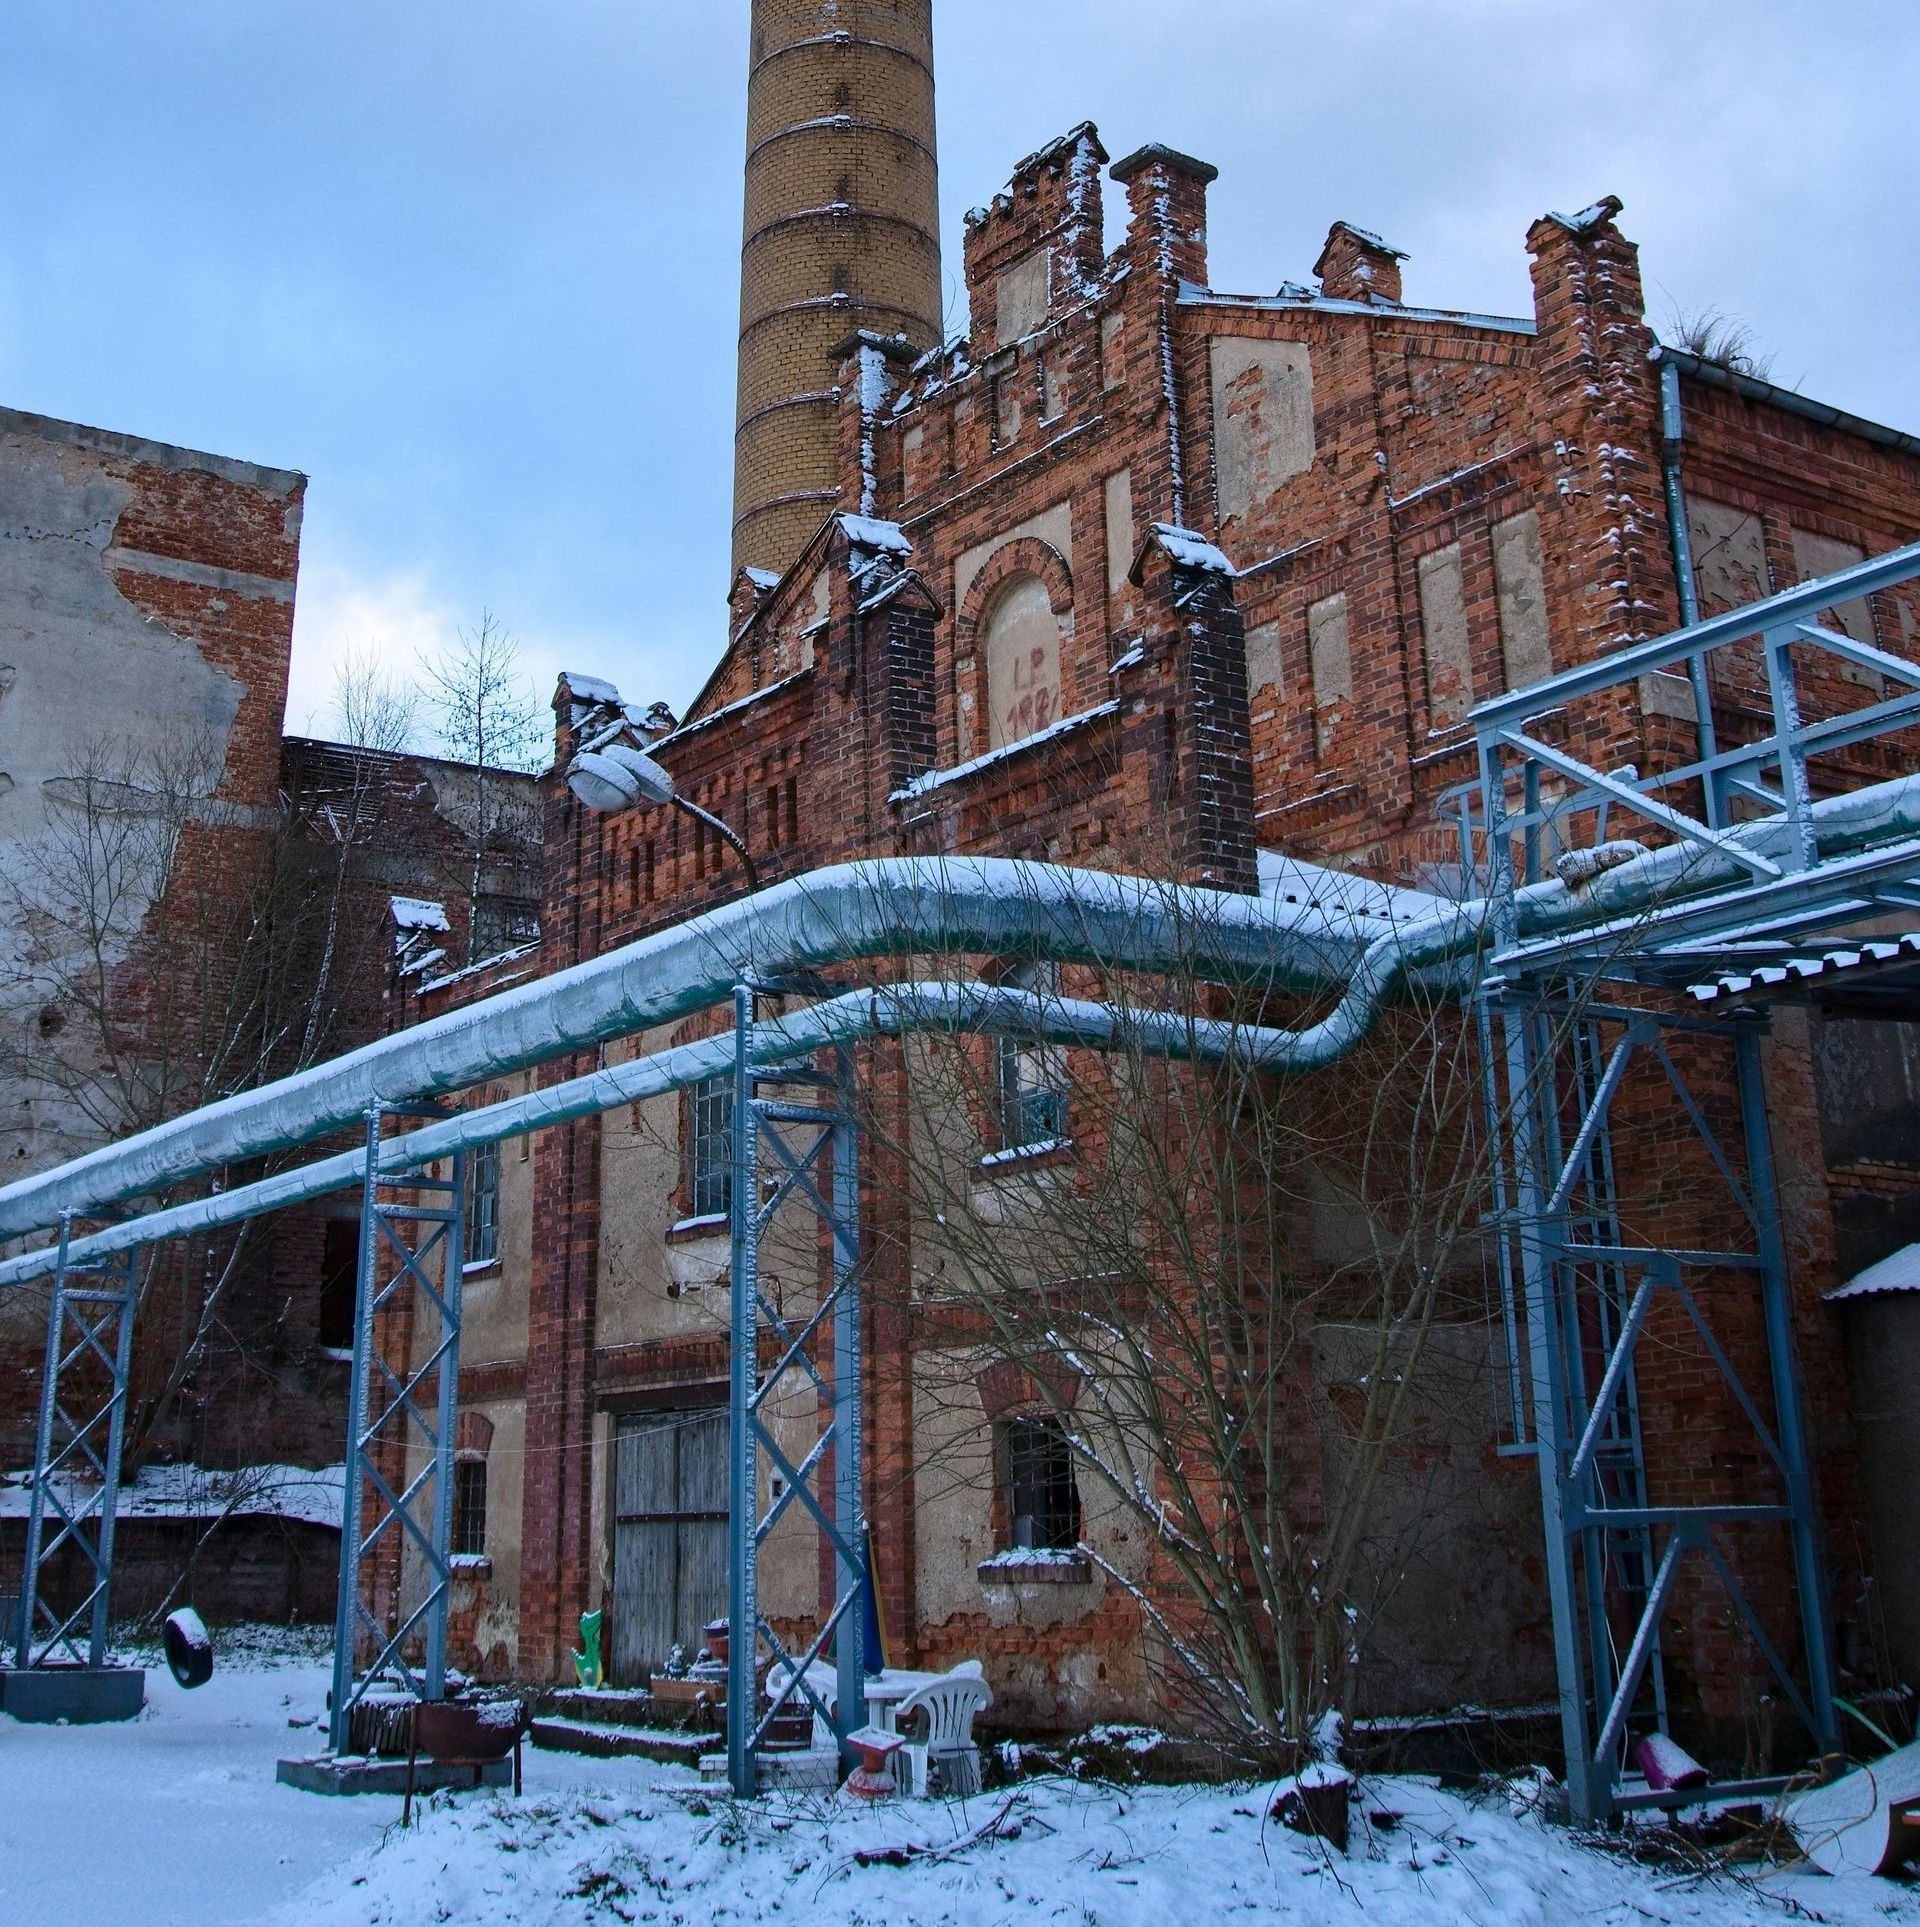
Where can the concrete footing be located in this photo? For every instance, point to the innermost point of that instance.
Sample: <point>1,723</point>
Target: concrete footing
<point>326,1773</point>
<point>79,1695</point>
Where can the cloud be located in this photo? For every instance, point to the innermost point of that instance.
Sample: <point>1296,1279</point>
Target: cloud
<point>344,610</point>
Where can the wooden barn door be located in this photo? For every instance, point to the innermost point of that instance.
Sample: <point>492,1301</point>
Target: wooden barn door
<point>669,1537</point>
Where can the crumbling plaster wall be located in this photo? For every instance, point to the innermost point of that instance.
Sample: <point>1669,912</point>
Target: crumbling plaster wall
<point>146,599</point>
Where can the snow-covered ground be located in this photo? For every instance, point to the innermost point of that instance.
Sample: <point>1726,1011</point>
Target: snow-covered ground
<point>177,1819</point>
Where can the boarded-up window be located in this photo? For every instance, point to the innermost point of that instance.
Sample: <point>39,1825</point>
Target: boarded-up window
<point>1729,556</point>
<point>1262,419</point>
<point>1263,658</point>
<point>1119,530</point>
<point>1053,390</point>
<point>1818,555</point>
<point>1020,300</point>
<point>1443,619</point>
<point>1022,651</point>
<point>1330,651</point>
<point>1007,413</point>
<point>1521,584</point>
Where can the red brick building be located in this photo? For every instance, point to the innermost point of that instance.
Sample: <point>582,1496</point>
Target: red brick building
<point>1141,574</point>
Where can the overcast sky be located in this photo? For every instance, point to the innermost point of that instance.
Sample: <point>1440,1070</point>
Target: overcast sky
<point>472,265</point>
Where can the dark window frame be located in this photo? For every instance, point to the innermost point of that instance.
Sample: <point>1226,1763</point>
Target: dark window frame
<point>1039,1492</point>
<point>483,1207</point>
<point>469,1506</point>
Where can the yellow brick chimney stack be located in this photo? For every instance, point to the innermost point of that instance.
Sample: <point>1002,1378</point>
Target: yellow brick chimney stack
<point>842,233</point>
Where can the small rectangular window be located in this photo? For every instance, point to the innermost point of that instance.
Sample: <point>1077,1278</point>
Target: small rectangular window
<point>1042,1501</point>
<point>1033,1077</point>
<point>483,1205</point>
<point>469,1508</point>
<point>710,1148</point>
<point>339,1283</point>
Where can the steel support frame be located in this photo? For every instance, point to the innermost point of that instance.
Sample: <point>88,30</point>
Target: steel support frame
<point>827,1482</point>
<point>1586,1298</point>
<point>89,1333</point>
<point>400,1414</point>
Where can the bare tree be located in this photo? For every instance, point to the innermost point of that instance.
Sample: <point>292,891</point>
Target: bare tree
<point>489,722</point>
<point>1241,1309</point>
<point>374,707</point>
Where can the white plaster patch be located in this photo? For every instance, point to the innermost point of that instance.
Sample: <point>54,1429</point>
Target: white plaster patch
<point>1521,582</point>
<point>1443,617</point>
<point>1729,556</point>
<point>1262,419</point>
<point>1020,299</point>
<point>1120,541</point>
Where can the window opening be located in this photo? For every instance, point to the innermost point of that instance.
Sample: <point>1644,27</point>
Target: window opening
<point>710,1148</point>
<point>1033,1077</point>
<point>1043,1503</point>
<point>469,1508</point>
<point>483,1205</point>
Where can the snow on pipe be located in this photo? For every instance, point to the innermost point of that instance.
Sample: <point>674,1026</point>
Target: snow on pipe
<point>892,1010</point>
<point>903,906</point>
<point>906,906</point>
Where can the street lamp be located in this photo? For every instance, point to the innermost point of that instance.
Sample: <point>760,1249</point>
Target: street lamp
<point>617,777</point>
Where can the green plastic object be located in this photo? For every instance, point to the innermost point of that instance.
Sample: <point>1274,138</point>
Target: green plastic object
<point>586,1663</point>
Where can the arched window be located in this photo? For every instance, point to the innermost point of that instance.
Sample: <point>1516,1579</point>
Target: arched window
<point>1022,654</point>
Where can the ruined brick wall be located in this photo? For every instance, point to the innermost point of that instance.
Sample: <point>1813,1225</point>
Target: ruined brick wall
<point>1009,654</point>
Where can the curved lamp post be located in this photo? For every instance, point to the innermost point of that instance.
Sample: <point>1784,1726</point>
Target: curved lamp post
<point>620,777</point>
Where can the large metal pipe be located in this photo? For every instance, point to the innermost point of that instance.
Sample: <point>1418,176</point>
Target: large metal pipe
<point>1061,913</point>
<point>911,906</point>
<point>973,905</point>
<point>887,1011</point>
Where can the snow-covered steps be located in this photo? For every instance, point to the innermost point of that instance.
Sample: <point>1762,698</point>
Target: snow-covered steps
<point>666,1746</point>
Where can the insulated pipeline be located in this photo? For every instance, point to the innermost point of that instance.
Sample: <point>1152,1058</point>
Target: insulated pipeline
<point>897,907</point>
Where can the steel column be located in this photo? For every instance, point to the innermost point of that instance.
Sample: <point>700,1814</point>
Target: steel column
<point>409,1292</point>
<point>768,1172</point>
<point>89,1331</point>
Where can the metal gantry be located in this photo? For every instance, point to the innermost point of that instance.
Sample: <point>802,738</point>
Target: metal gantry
<point>76,1456</point>
<point>780,1143</point>
<point>1559,1043</point>
<point>401,1413</point>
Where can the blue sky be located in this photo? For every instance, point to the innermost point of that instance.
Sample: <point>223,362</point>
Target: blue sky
<point>473,264</point>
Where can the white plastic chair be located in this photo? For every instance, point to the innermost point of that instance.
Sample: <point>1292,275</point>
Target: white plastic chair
<point>947,1753</point>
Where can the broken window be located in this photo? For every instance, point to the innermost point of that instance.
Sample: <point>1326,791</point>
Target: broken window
<point>1022,650</point>
<point>1043,1503</point>
<point>504,923</point>
<point>339,1283</point>
<point>469,1507</point>
<point>1033,1077</point>
<point>483,1206</point>
<point>709,1157</point>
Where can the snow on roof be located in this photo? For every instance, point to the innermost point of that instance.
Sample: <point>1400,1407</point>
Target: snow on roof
<point>418,913</point>
<point>1901,1272</point>
<point>590,689</point>
<point>1589,218</point>
<point>934,779</point>
<point>1296,294</point>
<point>194,1492</point>
<point>864,532</point>
<point>1341,893</point>
<point>762,578</point>
<point>1192,551</point>
<point>1367,238</point>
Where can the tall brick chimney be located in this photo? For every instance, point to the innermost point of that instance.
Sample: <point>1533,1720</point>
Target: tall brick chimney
<point>842,234</point>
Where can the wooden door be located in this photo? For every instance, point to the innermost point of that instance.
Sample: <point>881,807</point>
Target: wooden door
<point>669,1537</point>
